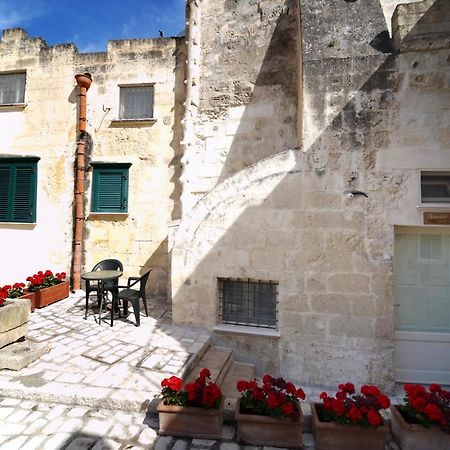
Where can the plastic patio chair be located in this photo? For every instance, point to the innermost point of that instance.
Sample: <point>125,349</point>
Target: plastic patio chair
<point>134,295</point>
<point>112,286</point>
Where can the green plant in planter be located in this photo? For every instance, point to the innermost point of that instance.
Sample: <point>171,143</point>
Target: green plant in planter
<point>42,280</point>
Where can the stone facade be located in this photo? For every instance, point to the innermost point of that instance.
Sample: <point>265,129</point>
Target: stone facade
<point>46,127</point>
<point>296,157</point>
<point>340,111</point>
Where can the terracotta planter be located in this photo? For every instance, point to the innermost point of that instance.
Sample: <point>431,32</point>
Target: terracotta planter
<point>268,431</point>
<point>52,294</point>
<point>333,436</point>
<point>417,437</point>
<point>189,421</point>
<point>30,296</point>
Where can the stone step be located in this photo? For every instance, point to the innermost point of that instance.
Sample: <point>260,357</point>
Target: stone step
<point>217,360</point>
<point>237,371</point>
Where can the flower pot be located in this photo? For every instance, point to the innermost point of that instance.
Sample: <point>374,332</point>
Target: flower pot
<point>333,436</point>
<point>254,429</point>
<point>52,294</point>
<point>188,421</point>
<point>30,296</point>
<point>413,436</point>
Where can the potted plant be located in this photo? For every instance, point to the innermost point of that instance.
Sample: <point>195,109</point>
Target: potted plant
<point>269,413</point>
<point>423,422</point>
<point>349,420</point>
<point>193,411</point>
<point>48,288</point>
<point>17,291</point>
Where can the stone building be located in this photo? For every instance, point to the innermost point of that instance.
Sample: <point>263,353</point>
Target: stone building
<point>132,143</point>
<point>309,227</point>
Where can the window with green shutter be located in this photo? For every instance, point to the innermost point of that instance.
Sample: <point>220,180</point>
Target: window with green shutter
<point>18,182</point>
<point>110,188</point>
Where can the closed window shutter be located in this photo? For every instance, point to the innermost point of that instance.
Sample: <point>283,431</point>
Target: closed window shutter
<point>23,198</point>
<point>5,177</point>
<point>110,189</point>
<point>12,88</point>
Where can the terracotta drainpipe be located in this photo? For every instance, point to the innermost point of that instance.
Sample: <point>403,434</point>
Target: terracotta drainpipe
<point>84,81</point>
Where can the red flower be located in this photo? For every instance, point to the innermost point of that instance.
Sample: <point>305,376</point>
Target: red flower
<point>433,412</point>
<point>300,394</point>
<point>374,418</point>
<point>370,390</point>
<point>287,408</point>
<point>258,393</point>
<point>323,395</point>
<point>435,387</point>
<point>242,385</point>
<point>267,379</point>
<point>384,401</point>
<point>272,400</point>
<point>205,373</point>
<point>338,406</point>
<point>354,414</point>
<point>252,384</point>
<point>173,383</point>
<point>290,388</point>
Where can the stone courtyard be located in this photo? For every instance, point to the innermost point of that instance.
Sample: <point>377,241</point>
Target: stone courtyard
<point>98,386</point>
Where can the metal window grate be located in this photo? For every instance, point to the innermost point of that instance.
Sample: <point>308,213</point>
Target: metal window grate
<point>247,302</point>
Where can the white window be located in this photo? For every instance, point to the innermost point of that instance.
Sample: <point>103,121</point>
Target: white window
<point>12,88</point>
<point>136,102</point>
<point>435,187</point>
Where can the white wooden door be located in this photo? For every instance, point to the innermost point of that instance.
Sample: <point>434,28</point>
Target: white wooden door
<point>422,307</point>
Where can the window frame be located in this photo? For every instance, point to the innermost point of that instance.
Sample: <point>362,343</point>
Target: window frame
<point>248,319</point>
<point>109,168</point>
<point>433,201</point>
<point>122,90</point>
<point>13,164</point>
<point>19,103</point>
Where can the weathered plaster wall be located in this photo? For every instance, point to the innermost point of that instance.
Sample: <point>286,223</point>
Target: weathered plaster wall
<point>47,128</point>
<point>291,217</point>
<point>243,81</point>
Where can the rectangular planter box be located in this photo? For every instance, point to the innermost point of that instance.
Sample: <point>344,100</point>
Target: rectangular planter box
<point>415,436</point>
<point>52,294</point>
<point>30,296</point>
<point>189,421</point>
<point>254,429</point>
<point>333,436</point>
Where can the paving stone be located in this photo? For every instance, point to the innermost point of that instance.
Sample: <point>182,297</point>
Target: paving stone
<point>35,442</point>
<point>229,446</point>
<point>180,445</point>
<point>13,429</point>
<point>228,432</point>
<point>18,416</point>
<point>203,442</point>
<point>163,443</point>
<point>308,440</point>
<point>147,436</point>
<point>14,444</point>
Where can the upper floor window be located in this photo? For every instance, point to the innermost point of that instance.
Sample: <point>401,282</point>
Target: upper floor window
<point>18,181</point>
<point>435,187</point>
<point>110,188</point>
<point>12,88</point>
<point>136,102</point>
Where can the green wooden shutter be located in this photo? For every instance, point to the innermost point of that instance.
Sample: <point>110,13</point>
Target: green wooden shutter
<point>18,184</point>
<point>23,207</point>
<point>110,189</point>
<point>5,181</point>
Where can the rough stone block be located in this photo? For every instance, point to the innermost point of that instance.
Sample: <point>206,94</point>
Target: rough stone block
<point>18,355</point>
<point>14,315</point>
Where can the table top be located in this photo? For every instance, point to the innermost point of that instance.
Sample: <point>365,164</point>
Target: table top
<point>101,275</point>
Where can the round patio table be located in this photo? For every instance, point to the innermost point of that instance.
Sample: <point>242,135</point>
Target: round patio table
<point>102,276</point>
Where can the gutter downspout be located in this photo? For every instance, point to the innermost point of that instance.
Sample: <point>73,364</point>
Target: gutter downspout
<point>84,81</point>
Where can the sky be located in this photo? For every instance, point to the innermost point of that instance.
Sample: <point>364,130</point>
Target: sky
<point>90,24</point>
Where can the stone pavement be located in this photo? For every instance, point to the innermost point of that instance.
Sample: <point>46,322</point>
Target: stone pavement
<point>96,365</point>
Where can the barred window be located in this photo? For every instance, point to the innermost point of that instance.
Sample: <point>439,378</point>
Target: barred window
<point>12,88</point>
<point>248,302</point>
<point>136,102</point>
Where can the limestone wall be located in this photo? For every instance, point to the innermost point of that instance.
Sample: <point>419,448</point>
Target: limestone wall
<point>372,119</point>
<point>46,127</point>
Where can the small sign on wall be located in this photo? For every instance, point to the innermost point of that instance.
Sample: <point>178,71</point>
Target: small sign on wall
<point>436,218</point>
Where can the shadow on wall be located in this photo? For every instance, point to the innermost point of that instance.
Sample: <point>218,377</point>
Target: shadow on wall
<point>295,225</point>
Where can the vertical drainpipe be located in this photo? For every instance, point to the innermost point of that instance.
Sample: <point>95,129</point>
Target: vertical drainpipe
<point>84,81</point>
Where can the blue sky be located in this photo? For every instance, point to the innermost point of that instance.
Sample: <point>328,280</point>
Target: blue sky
<point>92,25</point>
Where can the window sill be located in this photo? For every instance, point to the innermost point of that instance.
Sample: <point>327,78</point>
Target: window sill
<point>247,330</point>
<point>107,216</point>
<point>132,122</point>
<point>13,106</point>
<point>433,207</point>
